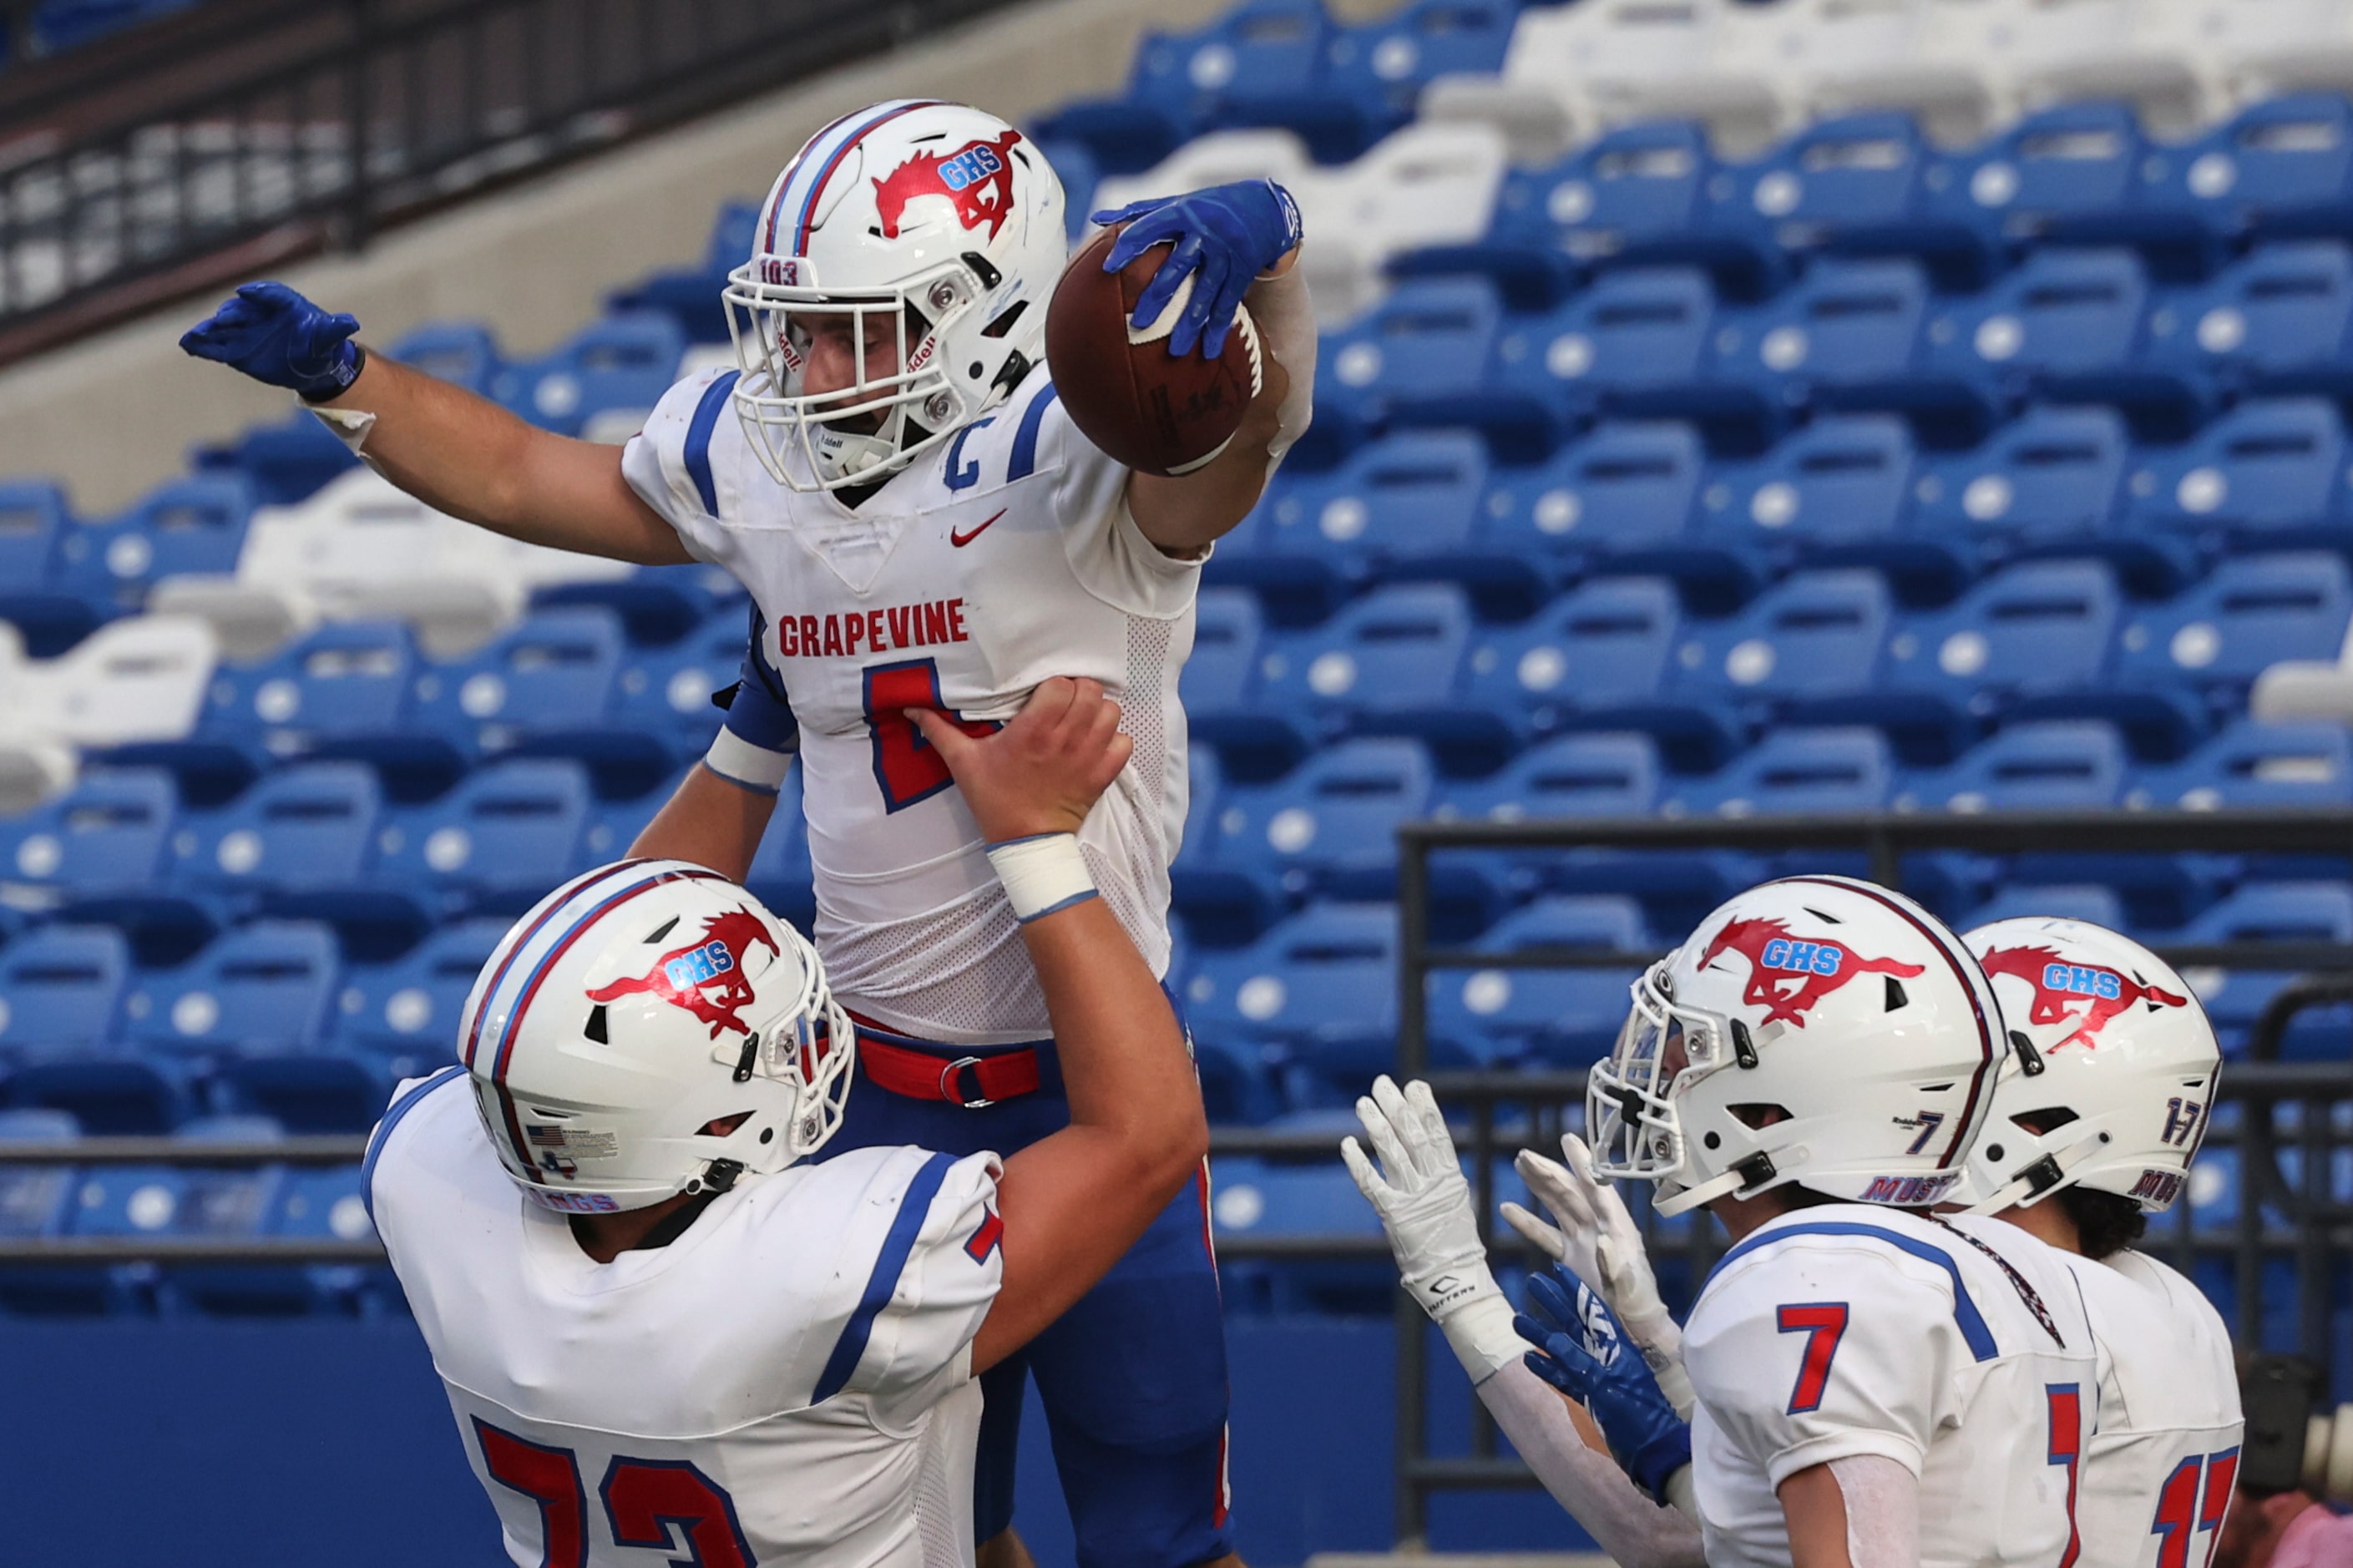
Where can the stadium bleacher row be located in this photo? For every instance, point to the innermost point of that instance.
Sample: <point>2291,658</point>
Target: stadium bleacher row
<point>1716,415</point>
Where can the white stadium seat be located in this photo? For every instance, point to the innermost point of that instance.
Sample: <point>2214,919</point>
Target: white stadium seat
<point>1216,159</point>
<point>144,678</point>
<point>1425,184</point>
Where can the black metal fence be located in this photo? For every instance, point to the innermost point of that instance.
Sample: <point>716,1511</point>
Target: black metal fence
<point>2281,1265</point>
<point>247,132</point>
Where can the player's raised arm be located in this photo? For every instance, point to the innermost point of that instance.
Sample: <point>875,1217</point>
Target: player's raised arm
<point>450,449</point>
<point>1075,1201</point>
<point>1239,243</point>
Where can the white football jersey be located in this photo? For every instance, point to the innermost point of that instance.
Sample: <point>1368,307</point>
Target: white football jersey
<point>1850,1330</point>
<point>787,1382</point>
<point>1006,557</point>
<point>2160,1468</point>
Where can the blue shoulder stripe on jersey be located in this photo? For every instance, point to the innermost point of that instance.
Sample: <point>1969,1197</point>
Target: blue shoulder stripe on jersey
<point>913,1209</point>
<point>698,438</point>
<point>1965,1310</point>
<point>399,1108</point>
<point>1024,462</point>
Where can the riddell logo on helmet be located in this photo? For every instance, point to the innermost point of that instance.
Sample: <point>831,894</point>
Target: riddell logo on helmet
<point>2060,987</point>
<point>706,976</point>
<point>1787,976</point>
<point>978,178</point>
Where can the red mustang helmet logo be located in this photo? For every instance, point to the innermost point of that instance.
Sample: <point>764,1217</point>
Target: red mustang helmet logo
<point>2059,984</point>
<point>1787,975</point>
<point>706,976</point>
<point>979,178</point>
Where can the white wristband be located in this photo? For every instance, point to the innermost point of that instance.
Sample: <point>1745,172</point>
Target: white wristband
<point>1042,873</point>
<point>745,766</point>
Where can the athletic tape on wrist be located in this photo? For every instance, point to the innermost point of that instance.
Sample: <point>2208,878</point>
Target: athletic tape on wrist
<point>1042,873</point>
<point>745,766</point>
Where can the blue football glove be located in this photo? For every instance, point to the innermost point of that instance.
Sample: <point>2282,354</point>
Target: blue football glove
<point>275,335</point>
<point>1226,234</point>
<point>1582,1352</point>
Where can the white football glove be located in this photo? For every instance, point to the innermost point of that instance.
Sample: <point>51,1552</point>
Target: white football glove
<point>1596,1240</point>
<point>1424,1203</point>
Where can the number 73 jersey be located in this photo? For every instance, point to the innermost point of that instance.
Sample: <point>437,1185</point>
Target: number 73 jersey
<point>1007,557</point>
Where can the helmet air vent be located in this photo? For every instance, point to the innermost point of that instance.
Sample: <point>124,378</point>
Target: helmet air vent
<point>1005,319</point>
<point>661,931</point>
<point>595,1027</point>
<point>1896,999</point>
<point>1823,915</point>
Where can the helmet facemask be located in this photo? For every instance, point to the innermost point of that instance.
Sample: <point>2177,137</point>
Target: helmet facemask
<point>817,441</point>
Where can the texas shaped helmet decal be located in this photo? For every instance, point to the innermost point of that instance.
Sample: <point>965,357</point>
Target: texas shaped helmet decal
<point>705,976</point>
<point>2061,984</point>
<point>977,178</point>
<point>1787,975</point>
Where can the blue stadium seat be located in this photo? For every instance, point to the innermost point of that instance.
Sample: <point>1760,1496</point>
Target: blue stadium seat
<point>2053,765</point>
<point>1389,664</point>
<point>2284,165</point>
<point>1846,335</point>
<point>1319,988</point>
<point>231,1203</point>
<point>690,296</point>
<point>2079,901</point>
<point>285,462</point>
<point>1421,355</point>
<point>462,352</point>
<point>621,362</point>
<point>2279,321</point>
<point>1258,53</point>
<point>658,605</point>
<point>252,1011</point>
<point>613,824</point>
<point>493,845</point>
<point>61,989</point>
<point>2050,482</point>
<point>99,854</point>
<point>33,522</point>
<point>328,1203</point>
<point>1797,770</point>
<point>184,525</point>
<point>1326,828</point>
<point>666,692</point>
<point>2253,613</point>
<point>404,1015</point>
<point>300,844</point>
<point>1603,646</point>
<point>1635,195</point>
<point>2273,911</point>
<point>1376,71</point>
<point>1600,773</point>
<point>345,691</point>
<point>2068,324</point>
<point>1635,342</point>
<point>1220,688</point>
<point>36,1199</point>
<point>2038,628</point>
<point>1835,492</point>
<point>1271,1198</point>
<point>781,874</point>
<point>1623,492</point>
<point>1402,506</point>
<point>2266,473</point>
<point>1852,185</point>
<point>2070,174</point>
<point>1543,1017</point>
<point>1816,635</point>
<point>1076,165</point>
<point>2253,764</point>
<point>545,688</point>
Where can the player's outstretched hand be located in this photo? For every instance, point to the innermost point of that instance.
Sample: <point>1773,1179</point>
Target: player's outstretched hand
<point>1419,1192</point>
<point>1580,1350</point>
<point>277,336</point>
<point>1595,1240</point>
<point>1225,235</point>
<point>1043,771</point>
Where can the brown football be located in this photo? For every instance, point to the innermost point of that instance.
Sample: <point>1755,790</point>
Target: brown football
<point>1126,392</point>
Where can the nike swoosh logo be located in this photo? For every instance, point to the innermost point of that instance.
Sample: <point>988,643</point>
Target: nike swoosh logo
<point>960,540</point>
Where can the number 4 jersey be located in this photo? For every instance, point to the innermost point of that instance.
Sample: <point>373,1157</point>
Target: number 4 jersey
<point>1007,557</point>
<point>1849,1330</point>
<point>787,1381</point>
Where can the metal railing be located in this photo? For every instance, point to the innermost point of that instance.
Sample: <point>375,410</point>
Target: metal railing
<point>241,134</point>
<point>2275,1107</point>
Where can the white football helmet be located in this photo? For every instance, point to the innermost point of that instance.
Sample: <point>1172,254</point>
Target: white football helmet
<point>940,221</point>
<point>650,1029</point>
<point>2117,1069</point>
<point>1814,1029</point>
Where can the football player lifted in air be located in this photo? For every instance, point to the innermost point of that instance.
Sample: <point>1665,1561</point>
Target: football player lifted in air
<point>637,1285</point>
<point>1870,1385</point>
<point>922,527</point>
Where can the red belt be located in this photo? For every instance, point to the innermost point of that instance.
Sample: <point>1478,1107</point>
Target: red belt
<point>969,1082</point>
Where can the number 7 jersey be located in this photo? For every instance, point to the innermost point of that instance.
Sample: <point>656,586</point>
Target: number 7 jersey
<point>1005,558</point>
